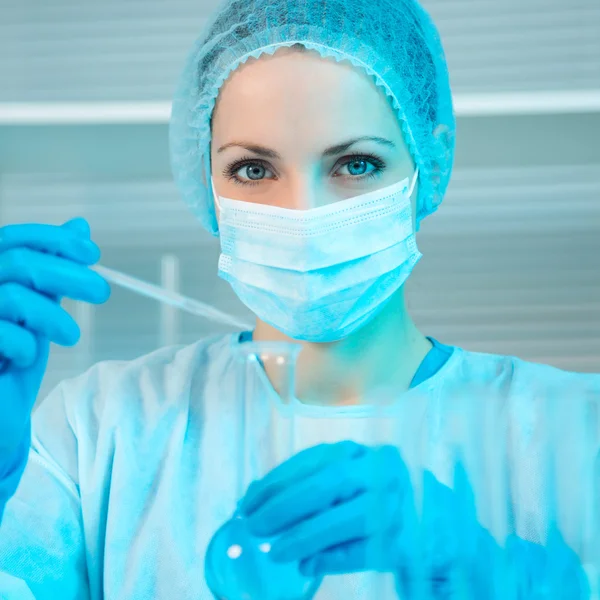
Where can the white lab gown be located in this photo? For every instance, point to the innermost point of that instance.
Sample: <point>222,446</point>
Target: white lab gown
<point>132,468</point>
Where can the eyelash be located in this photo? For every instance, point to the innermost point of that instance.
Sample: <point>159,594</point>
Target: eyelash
<point>231,170</point>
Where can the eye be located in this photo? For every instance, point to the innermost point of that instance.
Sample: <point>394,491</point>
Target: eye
<point>246,171</point>
<point>357,166</point>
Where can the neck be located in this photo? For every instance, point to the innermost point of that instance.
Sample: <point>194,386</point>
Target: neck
<point>385,352</point>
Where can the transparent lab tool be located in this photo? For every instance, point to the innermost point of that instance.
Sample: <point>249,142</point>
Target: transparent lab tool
<point>237,565</point>
<point>276,425</point>
<point>190,305</point>
<point>501,498</point>
<point>195,307</point>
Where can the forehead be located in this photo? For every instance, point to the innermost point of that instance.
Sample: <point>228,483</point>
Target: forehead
<point>302,95</point>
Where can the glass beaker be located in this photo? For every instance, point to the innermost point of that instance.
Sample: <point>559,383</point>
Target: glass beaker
<point>237,564</point>
<point>275,426</point>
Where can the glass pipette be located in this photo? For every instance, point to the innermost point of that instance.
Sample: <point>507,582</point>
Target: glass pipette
<point>194,307</point>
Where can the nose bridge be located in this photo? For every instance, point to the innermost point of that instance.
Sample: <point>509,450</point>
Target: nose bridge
<point>304,191</point>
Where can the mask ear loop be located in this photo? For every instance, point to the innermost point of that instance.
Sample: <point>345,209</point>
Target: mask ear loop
<point>215,195</point>
<point>414,182</point>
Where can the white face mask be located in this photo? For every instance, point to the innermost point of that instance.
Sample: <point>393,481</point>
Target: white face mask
<point>319,274</point>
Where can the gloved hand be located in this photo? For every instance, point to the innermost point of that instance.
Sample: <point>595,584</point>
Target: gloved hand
<point>39,265</point>
<point>337,508</point>
<point>319,507</point>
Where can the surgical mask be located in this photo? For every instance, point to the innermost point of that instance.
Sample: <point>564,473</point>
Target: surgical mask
<point>319,274</point>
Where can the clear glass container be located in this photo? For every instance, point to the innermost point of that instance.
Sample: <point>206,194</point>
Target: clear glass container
<point>237,565</point>
<point>276,425</point>
<point>501,497</point>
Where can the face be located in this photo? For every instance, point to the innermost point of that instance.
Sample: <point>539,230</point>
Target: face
<point>282,128</point>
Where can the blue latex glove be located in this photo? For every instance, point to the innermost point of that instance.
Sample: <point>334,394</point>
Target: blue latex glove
<point>318,508</point>
<point>536,569</point>
<point>320,503</point>
<point>39,265</point>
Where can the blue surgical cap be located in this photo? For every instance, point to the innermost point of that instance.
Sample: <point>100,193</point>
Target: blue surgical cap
<point>394,41</point>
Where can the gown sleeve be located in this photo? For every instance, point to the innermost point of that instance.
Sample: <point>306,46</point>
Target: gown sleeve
<point>42,549</point>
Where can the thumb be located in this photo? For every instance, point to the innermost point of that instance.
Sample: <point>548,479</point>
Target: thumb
<point>79,225</point>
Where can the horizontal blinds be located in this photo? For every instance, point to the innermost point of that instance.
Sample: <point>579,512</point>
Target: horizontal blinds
<point>133,50</point>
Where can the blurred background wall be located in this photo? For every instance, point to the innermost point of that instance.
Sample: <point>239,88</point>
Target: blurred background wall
<point>511,261</point>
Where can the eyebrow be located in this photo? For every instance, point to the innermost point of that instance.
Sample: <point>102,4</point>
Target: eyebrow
<point>331,151</point>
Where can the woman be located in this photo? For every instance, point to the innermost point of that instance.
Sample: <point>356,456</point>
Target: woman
<point>312,138</point>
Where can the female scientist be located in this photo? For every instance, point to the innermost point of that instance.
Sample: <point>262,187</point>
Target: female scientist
<point>312,137</point>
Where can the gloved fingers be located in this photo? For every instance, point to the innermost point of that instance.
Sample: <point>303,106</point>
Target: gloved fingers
<point>307,497</point>
<point>387,467</point>
<point>552,566</point>
<point>70,240</point>
<point>52,275</point>
<point>17,344</point>
<point>36,313</point>
<point>375,553</point>
<point>79,225</point>
<point>361,517</point>
<point>295,469</point>
<point>335,483</point>
<point>344,558</point>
